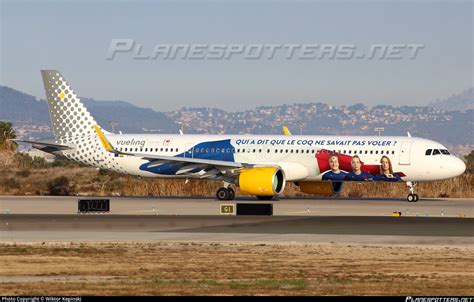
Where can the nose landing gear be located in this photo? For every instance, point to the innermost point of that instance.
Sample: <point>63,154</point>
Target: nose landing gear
<point>412,196</point>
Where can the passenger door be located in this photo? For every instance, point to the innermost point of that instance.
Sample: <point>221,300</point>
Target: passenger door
<point>405,151</point>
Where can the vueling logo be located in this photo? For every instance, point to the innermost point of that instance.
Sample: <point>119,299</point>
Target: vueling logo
<point>131,142</point>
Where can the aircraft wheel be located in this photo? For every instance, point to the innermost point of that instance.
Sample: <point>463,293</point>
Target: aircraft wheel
<point>264,197</point>
<point>231,194</point>
<point>411,197</point>
<point>416,197</point>
<point>222,194</point>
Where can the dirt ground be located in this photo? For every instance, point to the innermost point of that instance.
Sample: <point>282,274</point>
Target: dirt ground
<point>173,268</point>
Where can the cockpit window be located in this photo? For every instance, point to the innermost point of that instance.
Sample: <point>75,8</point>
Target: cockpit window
<point>428,152</point>
<point>436,152</point>
<point>444,151</point>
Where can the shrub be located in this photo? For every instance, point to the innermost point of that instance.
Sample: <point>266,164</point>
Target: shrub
<point>25,161</point>
<point>10,183</point>
<point>39,163</point>
<point>470,162</point>
<point>59,186</point>
<point>23,173</point>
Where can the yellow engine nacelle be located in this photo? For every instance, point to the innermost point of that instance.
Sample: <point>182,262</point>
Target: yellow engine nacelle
<point>262,181</point>
<point>323,188</point>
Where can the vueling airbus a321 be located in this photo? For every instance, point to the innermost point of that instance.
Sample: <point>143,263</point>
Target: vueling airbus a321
<point>259,165</point>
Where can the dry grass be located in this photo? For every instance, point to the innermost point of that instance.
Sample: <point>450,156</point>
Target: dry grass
<point>236,269</point>
<point>89,181</point>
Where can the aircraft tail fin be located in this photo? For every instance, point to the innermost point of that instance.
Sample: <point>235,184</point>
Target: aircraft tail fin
<point>69,116</point>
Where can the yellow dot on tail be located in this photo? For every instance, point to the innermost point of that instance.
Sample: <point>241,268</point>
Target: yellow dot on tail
<point>62,95</point>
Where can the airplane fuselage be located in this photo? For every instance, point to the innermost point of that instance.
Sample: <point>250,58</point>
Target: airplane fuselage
<point>301,157</point>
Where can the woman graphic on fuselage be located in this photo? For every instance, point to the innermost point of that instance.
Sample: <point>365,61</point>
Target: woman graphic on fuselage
<point>386,171</point>
<point>334,173</point>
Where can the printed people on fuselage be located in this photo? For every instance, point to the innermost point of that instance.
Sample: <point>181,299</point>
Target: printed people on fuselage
<point>386,171</point>
<point>357,174</point>
<point>335,173</point>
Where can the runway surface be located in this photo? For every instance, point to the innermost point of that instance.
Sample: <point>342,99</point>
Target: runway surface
<point>439,207</point>
<point>366,221</point>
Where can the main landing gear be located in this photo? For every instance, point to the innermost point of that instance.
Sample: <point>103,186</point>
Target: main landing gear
<point>412,196</point>
<point>225,194</point>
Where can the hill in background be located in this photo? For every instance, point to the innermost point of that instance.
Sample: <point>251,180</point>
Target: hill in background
<point>458,102</point>
<point>454,128</point>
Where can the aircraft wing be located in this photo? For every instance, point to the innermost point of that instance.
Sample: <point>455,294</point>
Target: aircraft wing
<point>205,167</point>
<point>190,160</point>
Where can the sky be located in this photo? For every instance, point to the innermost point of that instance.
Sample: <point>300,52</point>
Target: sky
<point>75,36</point>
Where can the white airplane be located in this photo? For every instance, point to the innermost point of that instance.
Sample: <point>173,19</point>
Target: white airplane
<point>259,165</point>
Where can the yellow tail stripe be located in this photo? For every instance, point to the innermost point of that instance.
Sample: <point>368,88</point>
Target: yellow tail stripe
<point>103,140</point>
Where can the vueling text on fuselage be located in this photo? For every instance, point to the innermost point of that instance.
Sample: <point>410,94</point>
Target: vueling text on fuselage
<point>131,142</point>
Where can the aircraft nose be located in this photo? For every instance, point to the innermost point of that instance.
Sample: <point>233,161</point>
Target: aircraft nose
<point>458,166</point>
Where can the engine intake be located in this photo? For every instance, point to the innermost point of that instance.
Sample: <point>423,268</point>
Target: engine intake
<point>262,181</point>
<point>323,188</point>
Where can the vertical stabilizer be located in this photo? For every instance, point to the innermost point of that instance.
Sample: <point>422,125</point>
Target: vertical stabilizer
<point>69,116</point>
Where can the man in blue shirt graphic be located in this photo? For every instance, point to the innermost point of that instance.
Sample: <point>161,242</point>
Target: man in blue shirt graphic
<point>334,173</point>
<point>357,174</point>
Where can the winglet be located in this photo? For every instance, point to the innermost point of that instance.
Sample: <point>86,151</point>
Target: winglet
<point>103,140</point>
<point>286,130</point>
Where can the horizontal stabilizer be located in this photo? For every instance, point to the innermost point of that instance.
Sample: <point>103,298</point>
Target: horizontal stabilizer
<point>44,144</point>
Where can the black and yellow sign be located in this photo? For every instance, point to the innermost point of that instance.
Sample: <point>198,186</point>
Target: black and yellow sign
<point>227,209</point>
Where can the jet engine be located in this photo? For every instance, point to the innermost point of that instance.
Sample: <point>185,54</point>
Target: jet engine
<point>323,188</point>
<point>262,181</point>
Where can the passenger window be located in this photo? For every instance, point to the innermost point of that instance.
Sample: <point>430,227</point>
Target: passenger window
<point>381,152</point>
<point>393,152</point>
<point>286,151</point>
<point>307,151</point>
<point>126,149</point>
<point>436,152</point>
<point>366,151</point>
<point>377,152</point>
